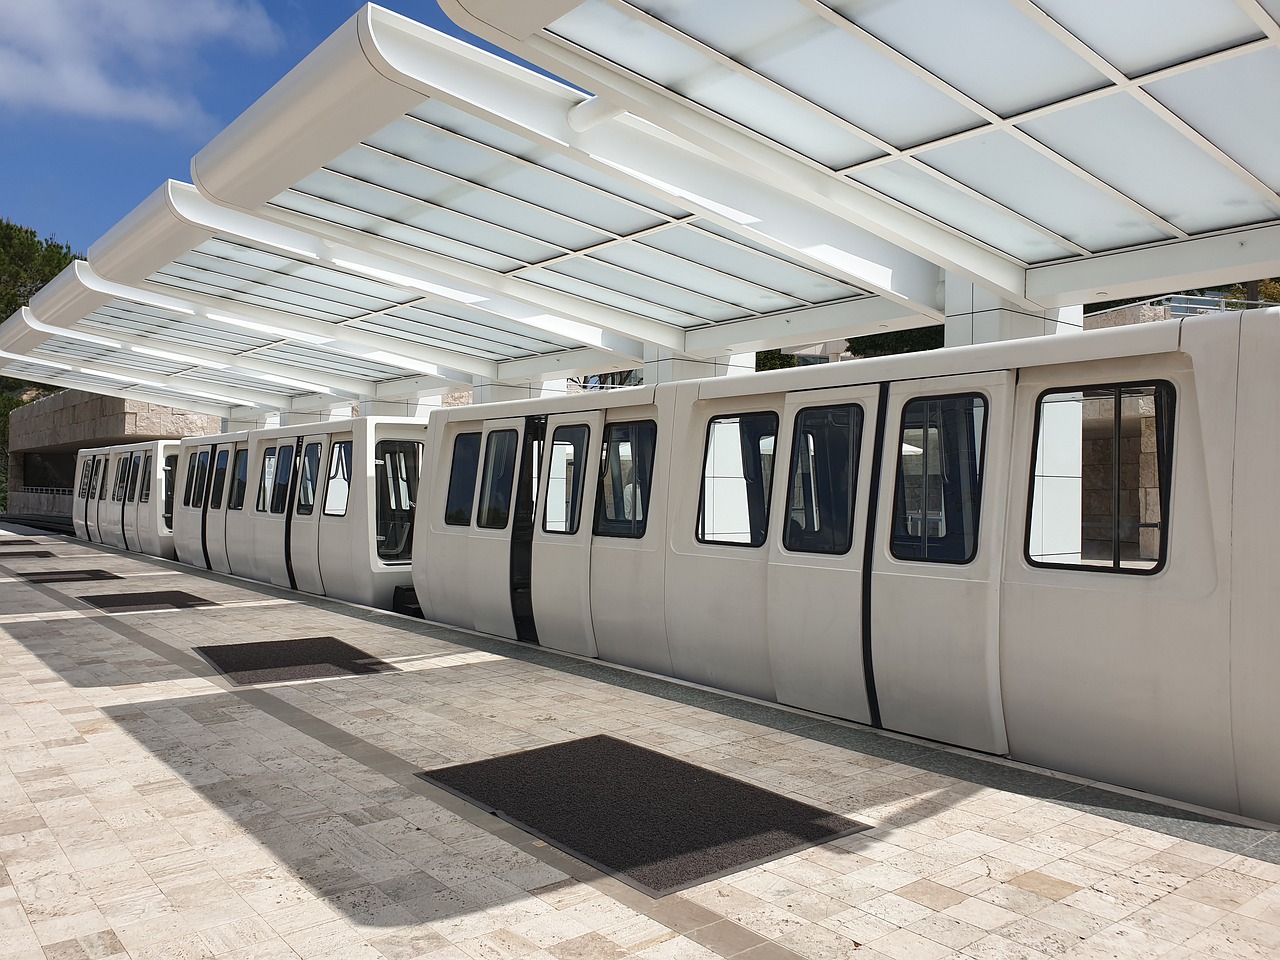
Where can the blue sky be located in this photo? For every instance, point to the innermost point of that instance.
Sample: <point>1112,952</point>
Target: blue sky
<point>102,100</point>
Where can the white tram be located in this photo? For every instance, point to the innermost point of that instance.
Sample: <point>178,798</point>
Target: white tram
<point>124,496</point>
<point>326,508</point>
<point>1053,549</point>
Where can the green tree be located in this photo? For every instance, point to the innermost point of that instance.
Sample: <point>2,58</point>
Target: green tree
<point>774,360</point>
<point>27,263</point>
<point>897,341</point>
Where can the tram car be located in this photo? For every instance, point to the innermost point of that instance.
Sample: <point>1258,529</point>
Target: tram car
<point>1053,549</point>
<point>124,496</point>
<point>326,508</point>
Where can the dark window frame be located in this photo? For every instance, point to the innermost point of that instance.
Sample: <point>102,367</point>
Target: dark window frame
<point>895,540</point>
<point>459,511</point>
<point>144,495</point>
<point>219,480</point>
<point>759,526</point>
<point>573,521</point>
<point>625,528</point>
<point>308,479</point>
<point>340,453</point>
<point>791,539</point>
<point>239,479</point>
<point>1165,437</point>
<point>500,496</point>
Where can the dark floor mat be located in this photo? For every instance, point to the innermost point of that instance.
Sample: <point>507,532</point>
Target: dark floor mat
<point>32,554</point>
<point>308,658</point>
<point>657,823</point>
<point>18,542</point>
<point>147,600</point>
<point>68,576</point>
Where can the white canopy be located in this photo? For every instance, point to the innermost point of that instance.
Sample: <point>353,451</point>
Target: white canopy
<point>403,213</point>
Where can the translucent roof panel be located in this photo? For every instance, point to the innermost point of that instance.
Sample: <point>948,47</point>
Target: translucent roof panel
<point>128,318</point>
<point>458,327</point>
<point>342,363</point>
<point>239,272</point>
<point>964,39</point>
<point>448,183</point>
<point>1186,186</point>
<point>1227,102</point>
<point>936,197</point>
<point>1014,175</point>
<point>1139,36</point>
<point>807,81</point>
<point>1041,131</point>
<point>67,350</point>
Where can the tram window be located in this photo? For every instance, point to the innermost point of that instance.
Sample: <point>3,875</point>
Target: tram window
<point>565,479</point>
<point>939,487</point>
<point>135,465</point>
<point>98,482</point>
<point>1100,478</point>
<point>462,479</point>
<point>202,476</point>
<point>824,480</point>
<point>308,479</point>
<point>280,483</point>
<point>191,480</point>
<point>144,495</point>
<point>167,484</point>
<point>219,480</point>
<point>397,464</point>
<point>496,480</point>
<point>239,480</point>
<point>268,477</point>
<point>338,489</point>
<point>626,475</point>
<point>122,479</point>
<point>737,475</point>
<point>86,473</point>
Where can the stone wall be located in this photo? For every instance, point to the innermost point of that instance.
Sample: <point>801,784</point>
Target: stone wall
<point>1124,316</point>
<point>72,419</point>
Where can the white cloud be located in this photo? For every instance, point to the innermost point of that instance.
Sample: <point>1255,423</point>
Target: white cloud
<point>126,60</point>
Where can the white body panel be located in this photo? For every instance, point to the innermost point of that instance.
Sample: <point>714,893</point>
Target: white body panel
<point>815,600</point>
<point>934,625</point>
<point>1127,678</point>
<point>717,592</point>
<point>562,557</point>
<point>84,517</point>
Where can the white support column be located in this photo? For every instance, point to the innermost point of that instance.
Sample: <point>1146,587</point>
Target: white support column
<point>408,406</point>
<point>491,391</point>
<point>976,315</point>
<point>247,418</point>
<point>660,366</point>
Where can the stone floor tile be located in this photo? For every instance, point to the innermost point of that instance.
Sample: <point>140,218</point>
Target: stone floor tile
<point>149,805</point>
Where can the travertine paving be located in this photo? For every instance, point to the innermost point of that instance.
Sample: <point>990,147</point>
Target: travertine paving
<point>150,810</point>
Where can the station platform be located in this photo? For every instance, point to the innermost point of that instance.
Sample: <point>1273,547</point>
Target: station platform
<point>152,806</point>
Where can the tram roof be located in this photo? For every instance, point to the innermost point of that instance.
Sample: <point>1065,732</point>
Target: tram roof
<point>403,213</point>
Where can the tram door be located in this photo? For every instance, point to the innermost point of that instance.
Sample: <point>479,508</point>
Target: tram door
<point>717,567</point>
<point>561,576</point>
<point>935,579</point>
<point>215,509</point>
<point>823,481</point>
<point>303,537</point>
<point>131,528</point>
<point>499,555</point>
<point>96,485</point>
